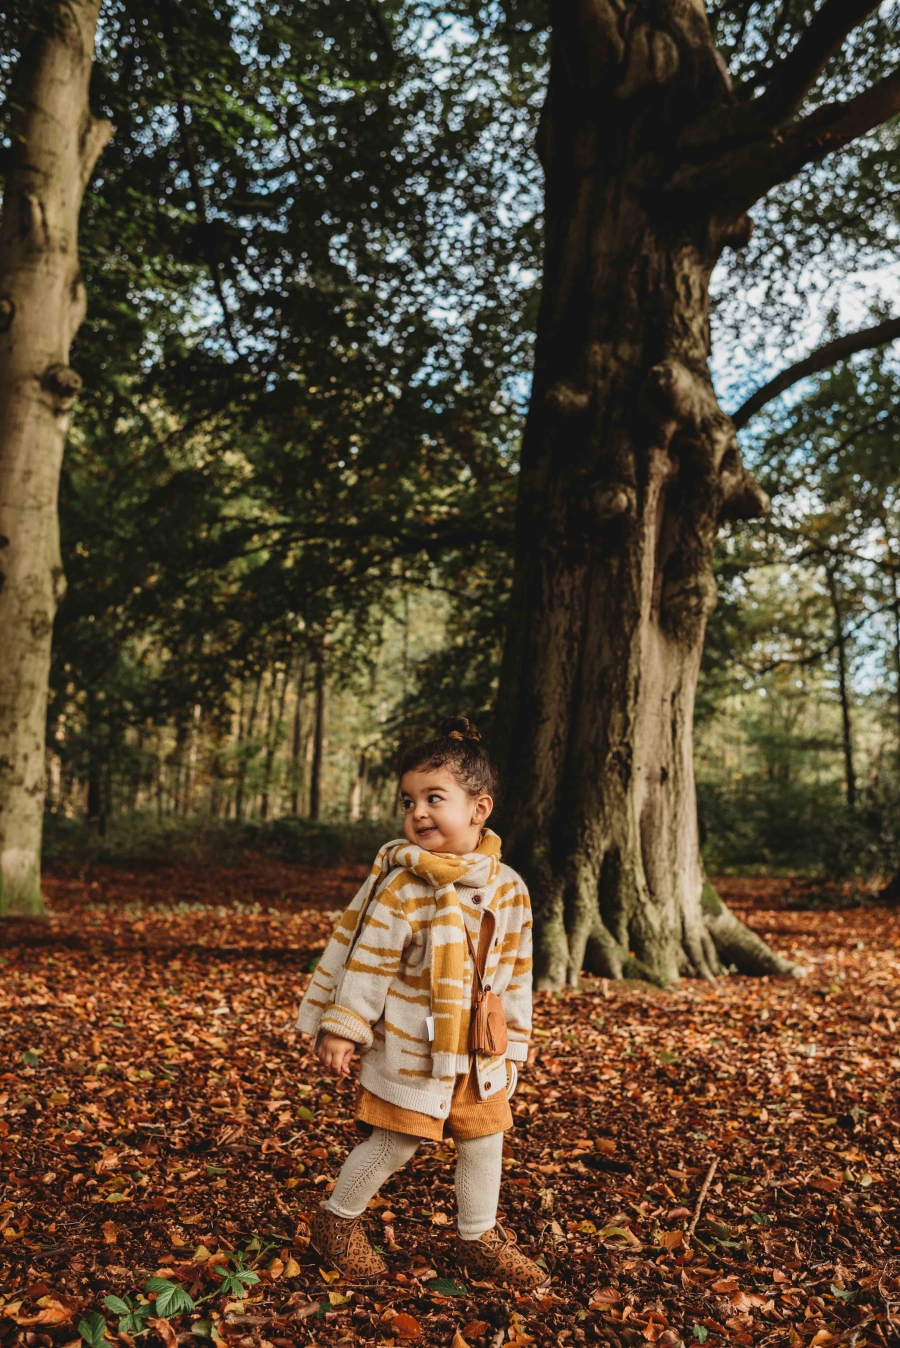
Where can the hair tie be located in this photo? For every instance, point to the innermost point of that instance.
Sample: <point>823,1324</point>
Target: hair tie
<point>455,735</point>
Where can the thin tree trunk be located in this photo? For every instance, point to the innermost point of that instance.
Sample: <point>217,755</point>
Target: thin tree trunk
<point>160,776</point>
<point>267,736</point>
<point>55,142</point>
<point>895,579</point>
<point>247,737</point>
<point>295,737</point>
<point>628,468</point>
<point>358,790</point>
<point>843,686</point>
<point>315,783</point>
<point>273,739</point>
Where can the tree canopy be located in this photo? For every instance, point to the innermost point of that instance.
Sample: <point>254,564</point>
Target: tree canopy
<point>311,252</point>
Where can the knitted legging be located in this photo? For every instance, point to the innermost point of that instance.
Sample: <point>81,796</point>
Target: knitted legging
<point>478,1173</point>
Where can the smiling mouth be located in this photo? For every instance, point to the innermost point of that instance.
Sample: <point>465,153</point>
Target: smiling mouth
<point>423,832</point>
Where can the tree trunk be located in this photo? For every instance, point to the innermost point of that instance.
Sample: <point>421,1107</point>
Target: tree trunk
<point>55,143</point>
<point>315,777</point>
<point>843,687</point>
<point>295,737</point>
<point>273,739</point>
<point>245,739</point>
<point>629,467</point>
<point>358,790</point>
<point>895,582</point>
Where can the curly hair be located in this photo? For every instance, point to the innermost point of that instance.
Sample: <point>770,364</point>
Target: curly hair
<point>458,747</point>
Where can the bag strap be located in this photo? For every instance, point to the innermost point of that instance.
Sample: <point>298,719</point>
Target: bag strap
<point>474,961</point>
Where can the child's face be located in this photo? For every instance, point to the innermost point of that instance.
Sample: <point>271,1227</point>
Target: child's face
<point>438,814</point>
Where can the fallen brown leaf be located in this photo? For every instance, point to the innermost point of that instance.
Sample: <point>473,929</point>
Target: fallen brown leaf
<point>406,1326</point>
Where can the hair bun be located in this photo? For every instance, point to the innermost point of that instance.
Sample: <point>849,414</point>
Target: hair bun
<point>460,727</point>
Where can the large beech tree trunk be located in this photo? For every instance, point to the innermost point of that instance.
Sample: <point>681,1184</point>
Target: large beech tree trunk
<point>55,145</point>
<point>629,467</point>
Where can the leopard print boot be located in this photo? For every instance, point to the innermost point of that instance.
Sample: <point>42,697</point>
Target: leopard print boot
<point>343,1244</point>
<point>495,1255</point>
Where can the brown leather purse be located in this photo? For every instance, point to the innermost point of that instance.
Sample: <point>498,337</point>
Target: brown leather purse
<point>487,1028</point>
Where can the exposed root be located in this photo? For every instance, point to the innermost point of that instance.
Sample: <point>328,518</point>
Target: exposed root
<point>737,946</point>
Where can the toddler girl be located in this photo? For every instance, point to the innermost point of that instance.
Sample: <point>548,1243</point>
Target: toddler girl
<point>397,981</point>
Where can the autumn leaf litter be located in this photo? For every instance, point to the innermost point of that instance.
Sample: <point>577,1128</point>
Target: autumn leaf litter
<point>164,1137</point>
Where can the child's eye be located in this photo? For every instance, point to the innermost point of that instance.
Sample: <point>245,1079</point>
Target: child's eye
<point>405,804</point>
<point>435,800</point>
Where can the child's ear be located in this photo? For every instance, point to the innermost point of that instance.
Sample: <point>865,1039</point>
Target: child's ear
<point>482,809</point>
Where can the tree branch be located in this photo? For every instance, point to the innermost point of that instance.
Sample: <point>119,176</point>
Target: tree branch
<point>834,125</point>
<point>732,183</point>
<point>94,141</point>
<point>800,69</point>
<point>822,359</point>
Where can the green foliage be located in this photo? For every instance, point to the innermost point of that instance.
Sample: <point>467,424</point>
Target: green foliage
<point>141,839</point>
<point>93,1330</point>
<point>236,1280</point>
<point>170,1297</point>
<point>446,1287</point>
<point>132,1314</point>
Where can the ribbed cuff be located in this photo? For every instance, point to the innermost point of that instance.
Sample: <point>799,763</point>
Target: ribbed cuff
<point>517,1050</point>
<point>340,1020</point>
<point>444,1065</point>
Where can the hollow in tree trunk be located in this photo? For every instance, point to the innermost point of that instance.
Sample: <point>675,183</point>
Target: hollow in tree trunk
<point>55,143</point>
<point>629,468</point>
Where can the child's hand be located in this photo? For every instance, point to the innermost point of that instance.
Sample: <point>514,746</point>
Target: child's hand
<point>335,1053</point>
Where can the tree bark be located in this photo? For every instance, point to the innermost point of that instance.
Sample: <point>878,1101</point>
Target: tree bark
<point>55,144</point>
<point>295,736</point>
<point>840,643</point>
<point>315,777</point>
<point>629,467</point>
<point>245,743</point>
<point>273,738</point>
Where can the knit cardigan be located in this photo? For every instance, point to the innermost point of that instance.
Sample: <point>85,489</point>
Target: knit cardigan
<point>374,983</point>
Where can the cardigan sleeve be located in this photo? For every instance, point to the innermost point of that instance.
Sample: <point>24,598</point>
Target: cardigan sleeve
<point>363,986</point>
<point>516,999</point>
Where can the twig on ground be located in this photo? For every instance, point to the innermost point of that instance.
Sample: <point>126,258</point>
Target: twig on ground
<point>704,1190</point>
<point>881,1292</point>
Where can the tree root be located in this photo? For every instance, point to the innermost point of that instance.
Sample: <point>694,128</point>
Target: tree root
<point>737,946</point>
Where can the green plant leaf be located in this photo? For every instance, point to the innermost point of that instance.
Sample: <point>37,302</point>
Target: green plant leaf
<point>93,1329</point>
<point>666,1056</point>
<point>117,1305</point>
<point>304,1112</point>
<point>203,1329</point>
<point>171,1297</point>
<point>701,1333</point>
<point>446,1287</point>
<point>31,1057</point>
<point>212,1170</point>
<point>841,1294</point>
<point>761,1218</point>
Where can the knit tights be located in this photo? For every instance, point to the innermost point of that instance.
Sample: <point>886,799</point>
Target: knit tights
<point>478,1174</point>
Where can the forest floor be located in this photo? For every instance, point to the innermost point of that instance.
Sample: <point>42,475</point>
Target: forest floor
<point>160,1120</point>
